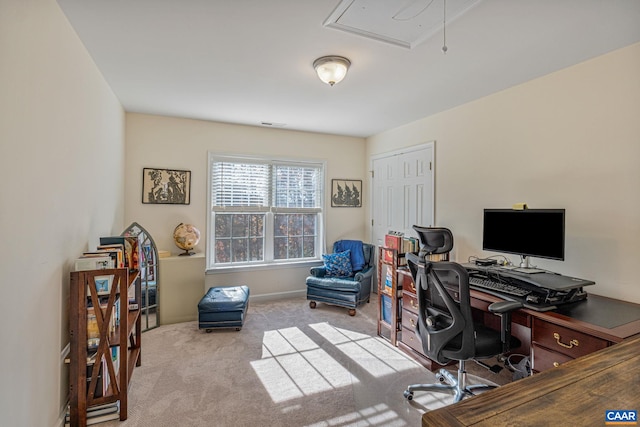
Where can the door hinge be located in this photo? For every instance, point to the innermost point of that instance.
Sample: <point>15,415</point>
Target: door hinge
<point>372,173</point>
<point>372,223</point>
<point>430,166</point>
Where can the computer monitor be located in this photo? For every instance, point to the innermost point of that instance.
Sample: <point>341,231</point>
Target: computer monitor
<point>528,233</point>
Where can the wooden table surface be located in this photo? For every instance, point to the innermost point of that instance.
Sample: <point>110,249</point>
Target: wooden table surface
<point>576,393</point>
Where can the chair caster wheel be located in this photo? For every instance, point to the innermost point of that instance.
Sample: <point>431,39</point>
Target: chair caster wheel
<point>312,304</point>
<point>408,395</point>
<point>352,312</point>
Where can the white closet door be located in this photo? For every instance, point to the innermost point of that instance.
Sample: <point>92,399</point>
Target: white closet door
<point>402,191</point>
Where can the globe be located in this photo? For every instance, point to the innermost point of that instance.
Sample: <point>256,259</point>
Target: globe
<point>186,237</point>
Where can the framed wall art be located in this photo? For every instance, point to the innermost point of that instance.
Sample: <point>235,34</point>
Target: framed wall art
<point>166,186</point>
<point>346,193</point>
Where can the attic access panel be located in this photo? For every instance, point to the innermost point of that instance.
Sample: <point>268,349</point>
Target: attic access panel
<point>403,23</point>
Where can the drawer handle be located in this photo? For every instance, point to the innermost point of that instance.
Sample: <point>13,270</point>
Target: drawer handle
<point>413,304</point>
<point>556,364</point>
<point>570,345</point>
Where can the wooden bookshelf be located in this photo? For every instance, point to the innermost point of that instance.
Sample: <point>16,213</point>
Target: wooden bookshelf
<point>118,350</point>
<point>389,260</point>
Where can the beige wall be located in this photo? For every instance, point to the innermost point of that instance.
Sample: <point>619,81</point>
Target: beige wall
<point>175,143</point>
<point>567,140</point>
<point>61,167</point>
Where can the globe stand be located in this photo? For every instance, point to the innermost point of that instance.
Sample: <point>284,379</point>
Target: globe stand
<point>186,253</point>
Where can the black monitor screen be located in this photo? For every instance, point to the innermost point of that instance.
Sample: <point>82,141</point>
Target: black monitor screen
<point>529,232</point>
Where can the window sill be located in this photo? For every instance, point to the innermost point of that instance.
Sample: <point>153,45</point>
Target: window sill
<point>264,267</point>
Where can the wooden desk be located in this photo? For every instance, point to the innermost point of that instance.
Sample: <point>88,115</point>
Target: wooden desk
<point>576,393</point>
<point>549,338</point>
<point>555,337</point>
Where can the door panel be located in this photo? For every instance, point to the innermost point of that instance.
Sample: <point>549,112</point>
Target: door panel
<point>402,192</point>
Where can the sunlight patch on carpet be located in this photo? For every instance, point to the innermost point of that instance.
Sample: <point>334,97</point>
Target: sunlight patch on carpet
<point>373,354</point>
<point>378,415</point>
<point>293,366</point>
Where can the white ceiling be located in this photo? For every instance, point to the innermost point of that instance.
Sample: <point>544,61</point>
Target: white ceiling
<point>249,61</point>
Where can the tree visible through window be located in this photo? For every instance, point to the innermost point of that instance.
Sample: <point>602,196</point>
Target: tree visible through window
<point>264,211</point>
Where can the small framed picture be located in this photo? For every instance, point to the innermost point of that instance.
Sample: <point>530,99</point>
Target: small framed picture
<point>166,186</point>
<point>346,193</point>
<point>103,284</point>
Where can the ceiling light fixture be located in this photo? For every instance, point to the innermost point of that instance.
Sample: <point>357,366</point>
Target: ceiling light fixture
<point>331,69</point>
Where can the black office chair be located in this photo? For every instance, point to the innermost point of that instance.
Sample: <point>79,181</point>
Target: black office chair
<point>445,325</point>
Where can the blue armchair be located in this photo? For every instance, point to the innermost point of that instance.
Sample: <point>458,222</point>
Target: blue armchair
<point>350,290</point>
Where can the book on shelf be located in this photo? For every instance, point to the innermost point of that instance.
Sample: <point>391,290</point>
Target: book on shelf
<point>115,358</point>
<point>93,262</point>
<point>102,380</point>
<point>117,258</point>
<point>130,246</point>
<point>388,281</point>
<point>116,252</point>
<point>93,332</point>
<point>392,240</point>
<point>91,358</point>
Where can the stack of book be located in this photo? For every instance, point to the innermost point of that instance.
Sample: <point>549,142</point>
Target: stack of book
<point>112,252</point>
<point>98,414</point>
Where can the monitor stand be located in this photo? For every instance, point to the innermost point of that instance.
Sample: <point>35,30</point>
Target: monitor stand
<point>528,270</point>
<point>524,266</point>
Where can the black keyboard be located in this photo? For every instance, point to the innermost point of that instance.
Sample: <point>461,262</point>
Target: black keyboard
<point>503,288</point>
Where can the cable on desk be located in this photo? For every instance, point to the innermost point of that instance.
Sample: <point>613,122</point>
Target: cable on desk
<point>505,260</point>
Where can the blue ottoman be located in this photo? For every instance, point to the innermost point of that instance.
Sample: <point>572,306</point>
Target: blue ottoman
<point>223,307</point>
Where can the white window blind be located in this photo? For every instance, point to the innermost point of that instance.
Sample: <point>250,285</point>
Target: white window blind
<point>240,184</point>
<point>297,186</point>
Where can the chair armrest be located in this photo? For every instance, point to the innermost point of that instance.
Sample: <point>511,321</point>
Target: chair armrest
<point>362,275</point>
<point>504,309</point>
<point>320,271</point>
<point>504,306</point>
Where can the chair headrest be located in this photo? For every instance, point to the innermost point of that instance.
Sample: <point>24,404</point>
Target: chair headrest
<point>434,240</point>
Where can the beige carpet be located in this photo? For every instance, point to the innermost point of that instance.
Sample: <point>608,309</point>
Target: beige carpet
<point>288,366</point>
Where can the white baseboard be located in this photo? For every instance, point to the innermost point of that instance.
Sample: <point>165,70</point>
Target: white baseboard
<point>278,295</point>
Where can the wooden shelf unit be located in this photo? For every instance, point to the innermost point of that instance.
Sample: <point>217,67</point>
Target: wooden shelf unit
<point>394,292</point>
<point>86,385</point>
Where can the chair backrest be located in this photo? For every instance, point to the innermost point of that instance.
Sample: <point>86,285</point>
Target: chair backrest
<point>445,324</point>
<point>368,251</point>
<point>434,240</point>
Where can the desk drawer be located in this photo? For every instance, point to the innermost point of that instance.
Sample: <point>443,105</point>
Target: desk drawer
<point>409,302</point>
<point>564,340</point>
<point>544,359</point>
<point>409,319</point>
<point>406,281</point>
<point>409,338</point>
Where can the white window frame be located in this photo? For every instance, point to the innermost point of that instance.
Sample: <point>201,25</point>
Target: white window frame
<point>269,260</point>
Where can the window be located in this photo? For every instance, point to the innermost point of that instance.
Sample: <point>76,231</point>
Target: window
<point>264,211</point>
